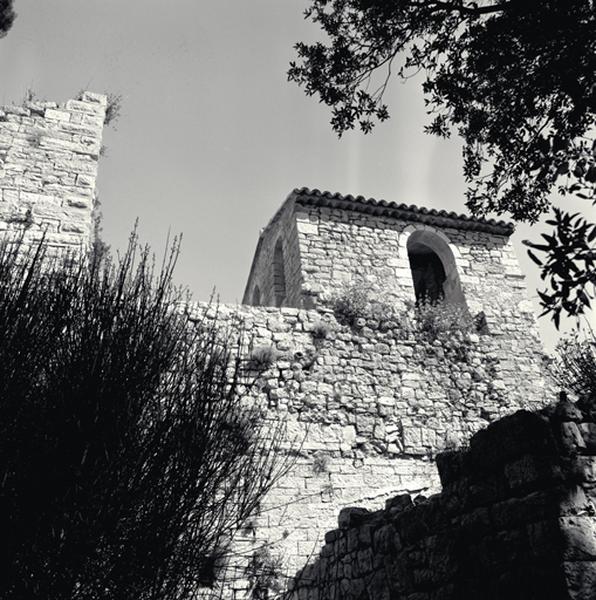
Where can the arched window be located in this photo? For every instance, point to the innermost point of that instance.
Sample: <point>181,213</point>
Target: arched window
<point>433,268</point>
<point>279,276</point>
<point>256,296</point>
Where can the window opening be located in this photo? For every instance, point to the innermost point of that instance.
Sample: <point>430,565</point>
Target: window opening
<point>279,277</point>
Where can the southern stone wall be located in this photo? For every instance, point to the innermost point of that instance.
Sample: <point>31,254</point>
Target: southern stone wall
<point>48,165</point>
<point>372,403</point>
<point>516,520</point>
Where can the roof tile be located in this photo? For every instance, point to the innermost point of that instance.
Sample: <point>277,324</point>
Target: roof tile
<point>401,211</point>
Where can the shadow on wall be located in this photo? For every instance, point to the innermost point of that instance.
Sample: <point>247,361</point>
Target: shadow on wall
<point>515,521</point>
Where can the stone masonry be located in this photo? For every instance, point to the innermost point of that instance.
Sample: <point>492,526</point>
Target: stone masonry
<point>368,407</point>
<point>48,165</point>
<point>516,520</point>
<point>373,399</point>
<point>368,402</point>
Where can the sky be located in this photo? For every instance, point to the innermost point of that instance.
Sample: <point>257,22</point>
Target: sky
<point>211,137</point>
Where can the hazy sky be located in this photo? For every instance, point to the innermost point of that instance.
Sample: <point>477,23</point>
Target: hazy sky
<point>212,137</point>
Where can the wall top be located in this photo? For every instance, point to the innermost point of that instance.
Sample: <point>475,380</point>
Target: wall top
<point>441,218</point>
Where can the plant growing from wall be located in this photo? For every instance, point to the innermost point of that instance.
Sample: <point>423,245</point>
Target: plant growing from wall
<point>321,330</point>
<point>262,357</point>
<point>320,463</point>
<point>35,137</point>
<point>127,458</point>
<point>441,320</point>
<point>264,573</point>
<point>98,247</point>
<point>359,301</point>
<point>113,109</point>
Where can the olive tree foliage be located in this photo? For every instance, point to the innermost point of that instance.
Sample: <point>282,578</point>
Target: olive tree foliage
<point>7,16</point>
<point>128,458</point>
<point>514,78</point>
<point>575,367</point>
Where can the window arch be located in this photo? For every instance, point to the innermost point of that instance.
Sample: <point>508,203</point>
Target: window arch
<point>256,296</point>
<point>434,272</point>
<point>279,276</point>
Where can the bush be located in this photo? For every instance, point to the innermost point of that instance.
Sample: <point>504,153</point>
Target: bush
<point>575,367</point>
<point>440,320</point>
<point>359,300</point>
<point>262,357</point>
<point>321,330</point>
<point>127,459</point>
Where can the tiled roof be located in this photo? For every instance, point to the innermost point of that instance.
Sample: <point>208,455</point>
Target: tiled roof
<point>410,212</point>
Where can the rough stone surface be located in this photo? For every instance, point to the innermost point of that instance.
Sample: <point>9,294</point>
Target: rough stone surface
<point>488,534</point>
<point>367,404</point>
<point>48,166</point>
<point>372,400</point>
<point>369,408</point>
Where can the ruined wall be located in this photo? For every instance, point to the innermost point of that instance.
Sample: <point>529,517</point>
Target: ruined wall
<point>48,165</point>
<point>373,404</point>
<point>516,520</point>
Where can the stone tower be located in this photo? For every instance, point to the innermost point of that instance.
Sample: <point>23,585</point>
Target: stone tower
<point>49,155</point>
<point>318,241</point>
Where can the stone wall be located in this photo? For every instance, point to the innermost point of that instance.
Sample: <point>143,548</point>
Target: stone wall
<point>516,520</point>
<point>48,165</point>
<point>368,406</point>
<point>331,242</point>
<point>281,233</point>
<point>340,246</point>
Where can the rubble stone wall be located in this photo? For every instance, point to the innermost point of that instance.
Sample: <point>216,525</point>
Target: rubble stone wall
<point>368,407</point>
<point>48,166</point>
<point>516,520</point>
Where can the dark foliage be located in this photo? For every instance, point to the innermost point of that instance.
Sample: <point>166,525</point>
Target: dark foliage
<point>127,459</point>
<point>514,78</point>
<point>575,367</point>
<point>7,16</point>
<point>569,265</point>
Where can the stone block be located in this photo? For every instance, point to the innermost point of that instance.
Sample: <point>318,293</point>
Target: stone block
<point>57,115</point>
<point>579,535</point>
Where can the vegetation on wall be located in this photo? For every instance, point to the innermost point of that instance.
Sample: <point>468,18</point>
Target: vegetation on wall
<point>127,458</point>
<point>358,301</point>
<point>440,320</point>
<point>264,574</point>
<point>515,79</point>
<point>262,357</point>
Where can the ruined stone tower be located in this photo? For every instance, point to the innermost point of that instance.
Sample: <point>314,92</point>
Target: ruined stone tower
<point>49,154</point>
